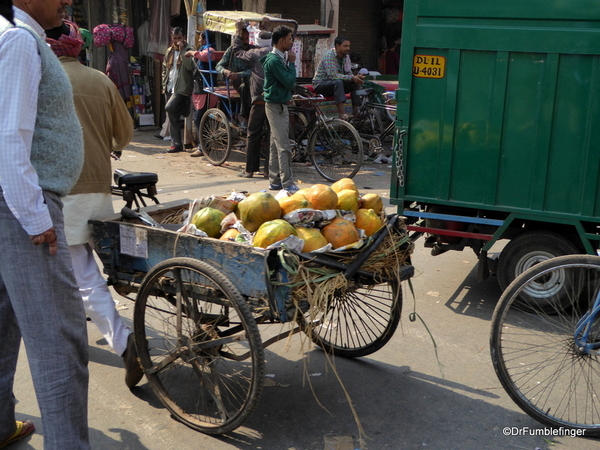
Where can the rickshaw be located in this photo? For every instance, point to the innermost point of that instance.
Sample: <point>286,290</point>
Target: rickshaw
<point>218,131</point>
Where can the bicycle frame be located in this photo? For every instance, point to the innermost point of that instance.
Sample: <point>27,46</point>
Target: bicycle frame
<point>317,117</point>
<point>584,327</point>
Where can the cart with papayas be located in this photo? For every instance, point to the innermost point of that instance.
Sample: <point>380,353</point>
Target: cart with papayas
<point>200,301</point>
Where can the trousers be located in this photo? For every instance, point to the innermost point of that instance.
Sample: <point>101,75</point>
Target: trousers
<point>177,105</point>
<point>97,299</point>
<point>256,124</point>
<point>280,153</point>
<point>40,302</point>
<point>338,89</point>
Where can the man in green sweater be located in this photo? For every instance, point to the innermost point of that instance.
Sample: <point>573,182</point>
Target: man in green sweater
<point>280,82</point>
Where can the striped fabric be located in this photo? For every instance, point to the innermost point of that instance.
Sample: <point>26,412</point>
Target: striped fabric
<point>20,73</point>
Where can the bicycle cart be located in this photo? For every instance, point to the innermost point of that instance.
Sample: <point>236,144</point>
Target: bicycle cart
<point>199,303</point>
<point>218,126</point>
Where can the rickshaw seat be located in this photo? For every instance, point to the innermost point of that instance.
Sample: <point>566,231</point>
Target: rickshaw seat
<point>311,88</point>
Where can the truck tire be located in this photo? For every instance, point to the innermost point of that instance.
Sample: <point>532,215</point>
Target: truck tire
<point>527,250</point>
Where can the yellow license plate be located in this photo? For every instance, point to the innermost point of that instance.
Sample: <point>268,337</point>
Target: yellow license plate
<point>427,66</point>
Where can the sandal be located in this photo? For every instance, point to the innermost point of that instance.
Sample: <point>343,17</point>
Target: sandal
<point>245,174</point>
<point>346,117</point>
<point>23,430</point>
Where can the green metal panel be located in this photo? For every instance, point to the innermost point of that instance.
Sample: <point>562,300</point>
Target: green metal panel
<point>511,125</point>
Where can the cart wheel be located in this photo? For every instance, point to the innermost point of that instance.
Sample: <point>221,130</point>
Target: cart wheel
<point>336,150</point>
<point>215,136</point>
<point>356,321</point>
<point>540,357</point>
<point>199,345</point>
<point>527,250</point>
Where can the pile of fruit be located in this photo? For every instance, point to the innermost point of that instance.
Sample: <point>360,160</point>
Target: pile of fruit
<point>319,215</point>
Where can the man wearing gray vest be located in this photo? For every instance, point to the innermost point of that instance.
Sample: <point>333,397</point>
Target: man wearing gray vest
<point>41,155</point>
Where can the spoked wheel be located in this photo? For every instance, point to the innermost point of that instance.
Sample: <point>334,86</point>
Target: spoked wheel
<point>215,136</point>
<point>199,345</point>
<point>355,321</point>
<point>371,124</point>
<point>540,356</point>
<point>298,124</point>
<point>336,150</point>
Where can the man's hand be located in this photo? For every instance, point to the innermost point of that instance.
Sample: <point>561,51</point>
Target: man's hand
<point>358,79</point>
<point>239,26</point>
<point>48,236</point>
<point>182,44</point>
<point>291,57</point>
<point>230,75</point>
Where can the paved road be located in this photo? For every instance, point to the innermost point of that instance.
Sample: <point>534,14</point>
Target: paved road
<point>405,398</point>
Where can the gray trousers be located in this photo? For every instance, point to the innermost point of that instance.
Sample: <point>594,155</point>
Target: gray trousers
<point>40,302</point>
<point>280,154</point>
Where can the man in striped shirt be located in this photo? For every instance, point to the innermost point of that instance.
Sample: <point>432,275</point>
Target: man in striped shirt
<point>334,76</point>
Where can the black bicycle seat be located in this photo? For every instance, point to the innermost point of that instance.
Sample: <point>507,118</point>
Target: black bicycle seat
<point>127,178</point>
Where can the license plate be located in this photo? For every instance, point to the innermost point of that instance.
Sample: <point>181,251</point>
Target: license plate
<point>428,66</point>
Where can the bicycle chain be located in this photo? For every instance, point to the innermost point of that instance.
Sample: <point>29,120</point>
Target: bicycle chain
<point>399,155</point>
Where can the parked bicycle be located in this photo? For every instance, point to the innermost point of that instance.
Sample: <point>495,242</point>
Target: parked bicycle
<point>373,121</point>
<point>333,146</point>
<point>545,342</point>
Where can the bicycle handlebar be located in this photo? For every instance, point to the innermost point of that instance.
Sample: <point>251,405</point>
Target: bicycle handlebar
<point>301,97</point>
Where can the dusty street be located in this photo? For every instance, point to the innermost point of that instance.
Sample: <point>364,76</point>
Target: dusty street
<point>404,396</point>
<point>181,174</point>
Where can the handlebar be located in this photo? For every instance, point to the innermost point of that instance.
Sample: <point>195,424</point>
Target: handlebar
<point>317,97</point>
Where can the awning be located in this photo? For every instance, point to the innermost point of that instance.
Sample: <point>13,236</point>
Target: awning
<point>224,21</point>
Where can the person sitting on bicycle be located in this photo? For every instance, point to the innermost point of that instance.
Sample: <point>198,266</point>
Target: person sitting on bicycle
<point>334,76</point>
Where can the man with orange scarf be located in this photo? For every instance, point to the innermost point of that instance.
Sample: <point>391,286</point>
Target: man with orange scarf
<point>107,126</point>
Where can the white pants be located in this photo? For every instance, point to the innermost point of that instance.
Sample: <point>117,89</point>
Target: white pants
<point>97,299</point>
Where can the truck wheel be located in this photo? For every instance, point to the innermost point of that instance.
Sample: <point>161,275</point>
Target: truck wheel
<point>527,250</point>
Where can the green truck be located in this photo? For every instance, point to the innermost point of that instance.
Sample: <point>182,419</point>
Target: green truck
<point>498,130</point>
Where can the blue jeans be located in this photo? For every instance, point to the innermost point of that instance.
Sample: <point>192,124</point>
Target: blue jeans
<point>40,302</point>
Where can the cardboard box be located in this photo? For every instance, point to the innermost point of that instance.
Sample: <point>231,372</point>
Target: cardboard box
<point>146,119</point>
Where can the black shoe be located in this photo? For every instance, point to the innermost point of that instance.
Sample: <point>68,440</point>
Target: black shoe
<point>158,136</point>
<point>175,149</point>
<point>133,371</point>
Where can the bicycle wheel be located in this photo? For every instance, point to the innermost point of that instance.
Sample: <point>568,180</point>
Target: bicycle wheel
<point>539,356</point>
<point>298,124</point>
<point>356,321</point>
<point>335,149</point>
<point>199,345</point>
<point>215,136</point>
<point>371,124</point>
